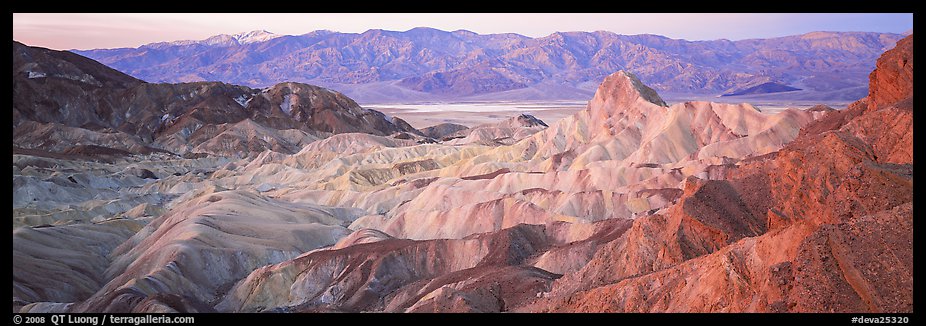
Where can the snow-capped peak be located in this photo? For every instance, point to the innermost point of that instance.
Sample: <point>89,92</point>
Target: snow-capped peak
<point>254,36</point>
<point>223,40</point>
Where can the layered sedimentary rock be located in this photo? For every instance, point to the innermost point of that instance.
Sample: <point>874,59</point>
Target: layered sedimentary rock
<point>64,264</point>
<point>200,248</point>
<point>892,79</point>
<point>838,214</point>
<point>388,274</point>
<point>626,154</point>
<point>630,205</point>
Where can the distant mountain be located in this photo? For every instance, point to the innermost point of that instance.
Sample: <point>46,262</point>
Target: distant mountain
<point>764,88</point>
<point>223,40</point>
<point>429,64</point>
<point>62,100</point>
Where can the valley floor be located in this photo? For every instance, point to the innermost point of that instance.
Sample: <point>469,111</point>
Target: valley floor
<point>421,115</point>
<point>475,113</point>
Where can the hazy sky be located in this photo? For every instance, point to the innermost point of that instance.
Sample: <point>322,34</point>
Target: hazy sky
<point>88,31</point>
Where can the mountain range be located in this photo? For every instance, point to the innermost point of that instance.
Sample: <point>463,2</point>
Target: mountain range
<point>430,64</point>
<point>293,198</point>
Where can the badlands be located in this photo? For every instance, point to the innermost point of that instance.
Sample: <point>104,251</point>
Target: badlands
<point>207,197</point>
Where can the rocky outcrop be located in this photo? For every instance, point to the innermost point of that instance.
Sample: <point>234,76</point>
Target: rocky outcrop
<point>824,193</point>
<point>59,86</point>
<point>64,88</point>
<point>791,270</point>
<point>892,79</point>
<point>321,109</point>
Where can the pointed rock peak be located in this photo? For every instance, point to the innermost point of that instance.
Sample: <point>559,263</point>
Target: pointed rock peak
<point>527,120</point>
<point>624,88</point>
<point>646,92</point>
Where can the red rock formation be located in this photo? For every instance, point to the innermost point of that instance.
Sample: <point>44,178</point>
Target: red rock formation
<point>837,204</point>
<point>860,266</point>
<point>892,79</point>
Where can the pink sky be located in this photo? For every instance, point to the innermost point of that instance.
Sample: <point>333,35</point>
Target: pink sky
<point>88,31</point>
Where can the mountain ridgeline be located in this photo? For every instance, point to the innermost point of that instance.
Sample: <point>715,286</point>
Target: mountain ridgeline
<point>59,95</point>
<point>430,64</point>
